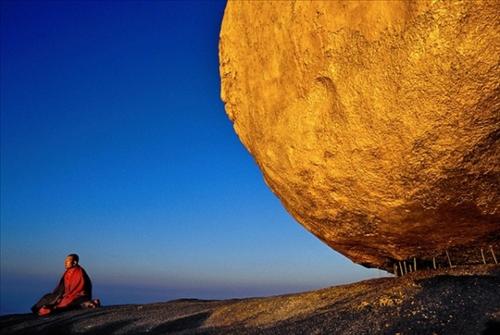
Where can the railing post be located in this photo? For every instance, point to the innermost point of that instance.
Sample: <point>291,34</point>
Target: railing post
<point>482,255</point>
<point>449,259</point>
<point>493,254</point>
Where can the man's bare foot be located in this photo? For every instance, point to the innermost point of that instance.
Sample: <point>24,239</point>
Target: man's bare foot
<point>88,304</point>
<point>91,304</point>
<point>44,311</point>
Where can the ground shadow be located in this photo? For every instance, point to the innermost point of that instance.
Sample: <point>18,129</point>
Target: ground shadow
<point>492,328</point>
<point>184,323</point>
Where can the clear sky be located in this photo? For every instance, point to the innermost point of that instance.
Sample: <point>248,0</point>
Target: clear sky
<point>115,145</point>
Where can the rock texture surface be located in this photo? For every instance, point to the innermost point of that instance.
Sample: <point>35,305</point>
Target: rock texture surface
<point>377,124</point>
<point>442,302</point>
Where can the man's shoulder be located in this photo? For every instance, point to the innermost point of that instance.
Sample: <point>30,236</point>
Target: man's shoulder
<point>75,270</point>
<point>83,272</point>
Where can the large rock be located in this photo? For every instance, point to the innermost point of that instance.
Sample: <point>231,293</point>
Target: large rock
<point>375,123</point>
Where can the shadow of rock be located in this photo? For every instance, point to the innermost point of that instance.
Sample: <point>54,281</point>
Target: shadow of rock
<point>108,328</point>
<point>441,304</point>
<point>492,328</point>
<point>181,324</point>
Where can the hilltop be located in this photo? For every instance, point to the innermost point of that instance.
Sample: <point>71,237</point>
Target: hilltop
<point>446,301</point>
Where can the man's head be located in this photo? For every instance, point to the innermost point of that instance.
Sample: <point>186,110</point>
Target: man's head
<point>71,261</point>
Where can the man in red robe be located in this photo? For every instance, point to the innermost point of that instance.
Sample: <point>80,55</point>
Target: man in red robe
<point>74,291</point>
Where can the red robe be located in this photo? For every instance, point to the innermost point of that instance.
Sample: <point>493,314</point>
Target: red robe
<point>77,287</point>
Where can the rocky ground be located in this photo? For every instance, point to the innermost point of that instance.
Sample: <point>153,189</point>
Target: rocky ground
<point>457,301</point>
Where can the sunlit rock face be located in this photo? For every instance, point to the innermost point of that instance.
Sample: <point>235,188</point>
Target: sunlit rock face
<point>375,123</point>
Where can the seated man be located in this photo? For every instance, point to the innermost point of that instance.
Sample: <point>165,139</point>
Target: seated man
<point>74,291</point>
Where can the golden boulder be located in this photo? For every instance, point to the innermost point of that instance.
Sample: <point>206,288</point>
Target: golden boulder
<point>377,124</point>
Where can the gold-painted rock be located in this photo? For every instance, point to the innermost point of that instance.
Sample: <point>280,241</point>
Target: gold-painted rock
<point>375,123</point>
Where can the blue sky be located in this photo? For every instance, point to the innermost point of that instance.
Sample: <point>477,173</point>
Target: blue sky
<point>115,145</point>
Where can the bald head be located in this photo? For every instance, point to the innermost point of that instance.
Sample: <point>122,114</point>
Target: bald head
<point>71,261</point>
